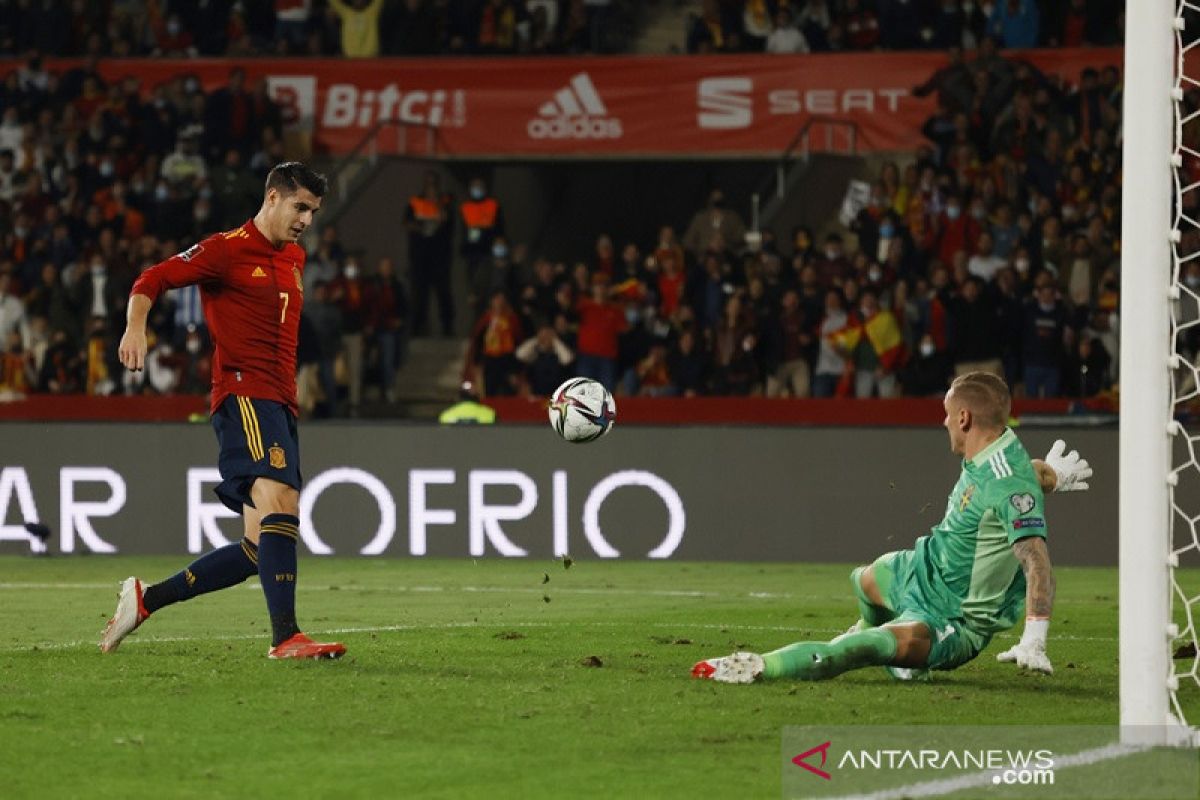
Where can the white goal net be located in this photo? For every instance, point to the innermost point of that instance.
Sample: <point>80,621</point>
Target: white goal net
<point>1160,376</point>
<point>1183,481</point>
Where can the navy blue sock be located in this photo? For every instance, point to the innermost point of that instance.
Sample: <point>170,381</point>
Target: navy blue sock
<point>277,572</point>
<point>224,567</point>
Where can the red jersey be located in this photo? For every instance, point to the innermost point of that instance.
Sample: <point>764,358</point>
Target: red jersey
<point>253,295</point>
<point>599,326</point>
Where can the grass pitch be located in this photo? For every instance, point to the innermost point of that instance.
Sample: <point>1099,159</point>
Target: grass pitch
<point>492,678</point>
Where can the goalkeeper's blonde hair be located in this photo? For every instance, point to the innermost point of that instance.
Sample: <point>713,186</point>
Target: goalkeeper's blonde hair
<point>986,395</point>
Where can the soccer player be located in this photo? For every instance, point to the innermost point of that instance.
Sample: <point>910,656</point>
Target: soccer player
<point>938,605</point>
<point>250,280</point>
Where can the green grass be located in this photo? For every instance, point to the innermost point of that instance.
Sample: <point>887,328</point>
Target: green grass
<point>474,679</point>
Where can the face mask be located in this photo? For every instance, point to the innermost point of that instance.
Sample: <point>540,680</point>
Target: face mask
<point>161,192</point>
<point>631,315</point>
<point>1022,265</point>
<point>107,169</point>
<point>831,253</point>
<point>191,86</point>
<point>499,251</point>
<point>351,271</point>
<point>928,349</point>
<point>887,230</point>
<point>206,193</point>
<point>953,212</point>
<point>193,346</point>
<point>173,28</point>
<point>20,232</point>
<point>98,270</point>
<point>874,275</point>
<point>1047,307</point>
<point>477,193</point>
<point>978,212</point>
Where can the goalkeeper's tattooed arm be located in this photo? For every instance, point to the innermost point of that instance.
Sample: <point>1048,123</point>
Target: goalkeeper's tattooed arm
<point>1030,652</point>
<point>1039,576</point>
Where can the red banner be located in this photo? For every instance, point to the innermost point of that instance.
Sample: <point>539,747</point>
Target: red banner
<point>749,105</point>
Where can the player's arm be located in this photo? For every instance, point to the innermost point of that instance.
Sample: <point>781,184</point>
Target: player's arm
<point>198,263</point>
<point>1062,471</point>
<point>1030,652</point>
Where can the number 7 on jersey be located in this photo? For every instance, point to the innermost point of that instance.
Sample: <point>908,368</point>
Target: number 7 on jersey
<point>283,311</point>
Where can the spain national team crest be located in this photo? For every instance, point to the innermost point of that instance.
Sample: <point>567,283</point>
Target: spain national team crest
<point>966,498</point>
<point>299,283</point>
<point>278,461</point>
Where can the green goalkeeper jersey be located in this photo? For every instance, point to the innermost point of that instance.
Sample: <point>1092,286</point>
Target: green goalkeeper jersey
<point>965,567</point>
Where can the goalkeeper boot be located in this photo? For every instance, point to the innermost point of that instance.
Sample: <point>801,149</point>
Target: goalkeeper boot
<point>736,668</point>
<point>300,646</point>
<point>129,615</point>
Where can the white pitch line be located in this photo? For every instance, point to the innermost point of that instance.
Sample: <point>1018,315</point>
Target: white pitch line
<point>975,780</point>
<point>682,626</point>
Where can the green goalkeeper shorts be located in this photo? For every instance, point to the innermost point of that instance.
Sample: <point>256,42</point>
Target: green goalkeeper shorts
<point>954,643</point>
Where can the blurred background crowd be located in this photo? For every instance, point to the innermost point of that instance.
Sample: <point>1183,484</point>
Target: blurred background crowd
<point>368,28</point>
<point>994,246</point>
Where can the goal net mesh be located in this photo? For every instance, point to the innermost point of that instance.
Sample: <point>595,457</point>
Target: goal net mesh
<point>1184,478</point>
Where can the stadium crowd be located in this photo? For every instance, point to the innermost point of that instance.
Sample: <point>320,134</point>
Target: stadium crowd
<point>313,28</point>
<point>366,28</point>
<point>801,26</point>
<point>996,247</point>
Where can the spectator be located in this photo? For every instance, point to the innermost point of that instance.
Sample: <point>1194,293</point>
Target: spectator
<point>386,320</point>
<point>928,372</point>
<point>654,373</point>
<point>348,293</point>
<point>493,347</point>
<point>360,26</point>
<point>976,331</point>
<point>497,276</point>
<point>430,222</point>
<point>600,323</point>
<point>785,37</point>
<point>291,23</point>
<point>325,319</point>
<point>1044,332</point>
<point>1015,23</point>
<point>874,346</point>
<point>687,366</point>
<point>12,310</point>
<point>546,358</point>
<point>714,226</point>
<point>483,220</point>
<point>791,376</point>
<point>184,169</point>
<point>985,263</point>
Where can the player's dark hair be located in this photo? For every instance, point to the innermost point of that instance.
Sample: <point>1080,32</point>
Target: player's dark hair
<point>986,395</point>
<point>290,176</point>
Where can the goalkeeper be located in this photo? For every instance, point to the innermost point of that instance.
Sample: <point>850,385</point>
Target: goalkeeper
<point>938,605</point>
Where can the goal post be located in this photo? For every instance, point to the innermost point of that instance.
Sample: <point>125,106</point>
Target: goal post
<point>1149,283</point>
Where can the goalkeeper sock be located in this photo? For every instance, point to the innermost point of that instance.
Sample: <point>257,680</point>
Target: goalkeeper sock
<point>817,661</point>
<point>224,567</point>
<point>277,573</point>
<point>871,614</point>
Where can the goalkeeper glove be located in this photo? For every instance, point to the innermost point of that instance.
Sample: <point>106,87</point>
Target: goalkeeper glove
<point>1030,652</point>
<point>1071,471</point>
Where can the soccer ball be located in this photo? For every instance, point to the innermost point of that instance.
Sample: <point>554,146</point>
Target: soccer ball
<point>582,410</point>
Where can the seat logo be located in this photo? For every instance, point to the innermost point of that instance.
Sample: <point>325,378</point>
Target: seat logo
<point>724,103</point>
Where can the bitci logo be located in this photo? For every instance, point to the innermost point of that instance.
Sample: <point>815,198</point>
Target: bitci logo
<point>802,760</point>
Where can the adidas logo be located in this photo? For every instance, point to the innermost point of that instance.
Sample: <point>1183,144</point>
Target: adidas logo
<point>258,273</point>
<point>576,112</point>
